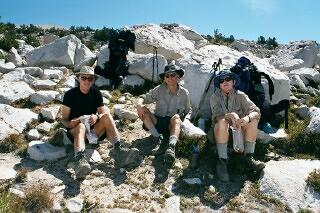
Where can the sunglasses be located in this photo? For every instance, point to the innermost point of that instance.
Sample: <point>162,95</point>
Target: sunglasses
<point>225,79</point>
<point>83,78</point>
<point>172,75</point>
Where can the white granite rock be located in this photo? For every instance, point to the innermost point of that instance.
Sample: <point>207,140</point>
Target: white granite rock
<point>13,120</point>
<point>106,93</point>
<point>171,45</point>
<point>296,55</point>
<point>33,134</point>
<point>44,84</point>
<point>314,125</point>
<point>302,111</point>
<point>286,181</point>
<point>34,71</point>
<point>15,75</point>
<point>192,181</point>
<point>74,205</point>
<point>132,81</point>
<point>70,82</point>
<point>126,114</point>
<point>265,137</point>
<point>66,51</point>
<point>145,65</point>
<point>103,56</point>
<point>43,97</point>
<point>172,205</point>
<point>40,151</point>
<point>50,112</point>
<point>53,74</point>
<point>6,67</point>
<point>45,127</point>
<point>14,57</point>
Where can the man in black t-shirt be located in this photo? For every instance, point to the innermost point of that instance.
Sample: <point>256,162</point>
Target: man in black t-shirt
<point>86,100</point>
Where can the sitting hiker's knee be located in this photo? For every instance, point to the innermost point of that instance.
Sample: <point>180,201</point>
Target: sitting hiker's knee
<point>80,128</point>
<point>221,124</point>
<point>106,118</point>
<point>175,119</point>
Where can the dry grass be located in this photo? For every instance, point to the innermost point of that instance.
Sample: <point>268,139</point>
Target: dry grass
<point>22,175</point>
<point>14,143</point>
<point>38,198</point>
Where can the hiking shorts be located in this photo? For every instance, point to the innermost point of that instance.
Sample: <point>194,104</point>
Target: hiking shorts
<point>162,125</point>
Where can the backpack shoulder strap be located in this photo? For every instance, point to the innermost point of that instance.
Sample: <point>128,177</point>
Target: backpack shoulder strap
<point>271,86</point>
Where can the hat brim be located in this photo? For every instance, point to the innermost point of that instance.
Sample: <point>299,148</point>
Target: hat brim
<point>85,73</point>
<point>234,76</point>
<point>180,72</point>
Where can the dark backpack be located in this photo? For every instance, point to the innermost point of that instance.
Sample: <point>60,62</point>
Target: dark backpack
<point>250,83</point>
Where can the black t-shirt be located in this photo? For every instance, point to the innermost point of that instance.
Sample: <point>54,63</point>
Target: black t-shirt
<point>82,104</point>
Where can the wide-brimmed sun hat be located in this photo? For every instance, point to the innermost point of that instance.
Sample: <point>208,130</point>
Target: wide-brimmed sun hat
<point>170,68</point>
<point>223,74</point>
<point>86,70</point>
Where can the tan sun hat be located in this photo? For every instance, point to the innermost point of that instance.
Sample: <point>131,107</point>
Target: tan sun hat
<point>86,70</point>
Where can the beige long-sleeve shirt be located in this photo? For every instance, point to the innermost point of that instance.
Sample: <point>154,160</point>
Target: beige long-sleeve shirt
<point>168,104</point>
<point>236,101</point>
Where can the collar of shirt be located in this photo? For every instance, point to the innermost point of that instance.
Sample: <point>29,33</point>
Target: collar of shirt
<point>178,90</point>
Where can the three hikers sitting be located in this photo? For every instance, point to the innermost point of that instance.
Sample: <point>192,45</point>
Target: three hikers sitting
<point>172,107</point>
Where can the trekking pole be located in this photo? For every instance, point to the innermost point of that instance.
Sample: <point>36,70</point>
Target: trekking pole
<point>153,66</point>
<point>156,50</point>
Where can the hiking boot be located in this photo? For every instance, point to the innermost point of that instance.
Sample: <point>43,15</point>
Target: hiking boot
<point>169,156</point>
<point>267,128</point>
<point>159,148</point>
<point>82,167</point>
<point>254,164</point>
<point>125,156</point>
<point>222,170</point>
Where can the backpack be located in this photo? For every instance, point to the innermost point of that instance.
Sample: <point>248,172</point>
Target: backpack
<point>250,83</point>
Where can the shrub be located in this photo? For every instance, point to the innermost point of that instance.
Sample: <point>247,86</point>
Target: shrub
<point>10,203</point>
<point>8,41</point>
<point>12,143</point>
<point>314,101</point>
<point>38,198</point>
<point>314,180</point>
<point>218,38</point>
<point>33,41</point>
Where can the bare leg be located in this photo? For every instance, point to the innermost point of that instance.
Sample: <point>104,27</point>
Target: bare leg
<point>251,130</point>
<point>148,118</point>
<point>221,131</point>
<point>174,126</point>
<point>79,133</point>
<point>106,125</point>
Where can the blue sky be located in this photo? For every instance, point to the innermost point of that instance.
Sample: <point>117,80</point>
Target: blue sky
<point>286,20</point>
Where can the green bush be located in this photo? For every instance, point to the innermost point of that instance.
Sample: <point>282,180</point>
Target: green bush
<point>32,40</point>
<point>8,41</point>
<point>220,39</point>
<point>314,101</point>
<point>314,180</point>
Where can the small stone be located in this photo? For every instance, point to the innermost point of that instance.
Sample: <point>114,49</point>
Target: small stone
<point>192,181</point>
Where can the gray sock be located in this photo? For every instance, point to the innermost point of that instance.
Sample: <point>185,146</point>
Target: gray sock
<point>115,140</point>
<point>249,147</point>
<point>173,140</point>
<point>154,132</point>
<point>77,150</point>
<point>222,150</point>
